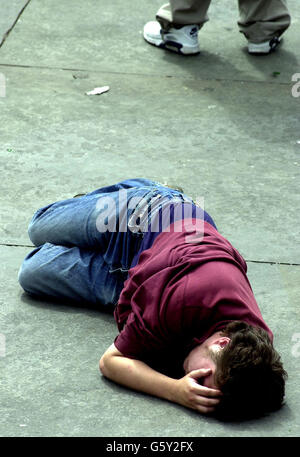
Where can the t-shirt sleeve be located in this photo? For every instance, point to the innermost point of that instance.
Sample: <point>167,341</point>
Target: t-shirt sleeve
<point>135,341</point>
<point>155,327</point>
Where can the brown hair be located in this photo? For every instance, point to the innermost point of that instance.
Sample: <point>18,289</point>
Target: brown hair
<point>249,373</point>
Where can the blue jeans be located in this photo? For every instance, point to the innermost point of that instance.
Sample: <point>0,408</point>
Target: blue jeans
<point>75,259</point>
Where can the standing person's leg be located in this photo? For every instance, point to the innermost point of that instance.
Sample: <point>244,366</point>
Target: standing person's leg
<point>263,22</point>
<point>183,12</point>
<point>177,25</point>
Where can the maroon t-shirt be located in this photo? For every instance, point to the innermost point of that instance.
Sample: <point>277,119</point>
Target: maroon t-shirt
<point>180,293</point>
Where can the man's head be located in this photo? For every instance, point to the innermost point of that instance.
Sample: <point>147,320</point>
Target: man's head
<point>205,356</point>
<point>245,367</point>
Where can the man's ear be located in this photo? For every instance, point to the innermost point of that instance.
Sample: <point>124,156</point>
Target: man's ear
<point>223,341</point>
<point>219,343</point>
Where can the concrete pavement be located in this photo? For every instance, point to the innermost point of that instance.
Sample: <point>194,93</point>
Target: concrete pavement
<point>223,125</point>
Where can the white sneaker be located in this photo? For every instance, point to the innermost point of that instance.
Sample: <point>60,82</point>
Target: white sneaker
<point>263,48</point>
<point>182,41</point>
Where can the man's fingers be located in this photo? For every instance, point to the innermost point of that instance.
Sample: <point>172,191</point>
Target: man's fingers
<point>206,391</point>
<point>196,396</point>
<point>206,402</point>
<point>205,405</point>
<point>200,373</point>
<point>205,409</point>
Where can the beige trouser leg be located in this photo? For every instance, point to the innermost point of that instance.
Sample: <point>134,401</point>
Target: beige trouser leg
<point>260,20</point>
<point>183,12</point>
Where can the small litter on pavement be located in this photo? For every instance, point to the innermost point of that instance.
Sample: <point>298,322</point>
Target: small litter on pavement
<point>98,90</point>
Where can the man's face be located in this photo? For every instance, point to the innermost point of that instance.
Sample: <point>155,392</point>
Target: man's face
<point>202,356</point>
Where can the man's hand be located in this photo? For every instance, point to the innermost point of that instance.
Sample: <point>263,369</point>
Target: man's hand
<point>195,396</point>
<point>139,376</point>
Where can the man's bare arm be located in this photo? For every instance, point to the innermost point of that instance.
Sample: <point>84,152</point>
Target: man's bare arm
<point>136,375</point>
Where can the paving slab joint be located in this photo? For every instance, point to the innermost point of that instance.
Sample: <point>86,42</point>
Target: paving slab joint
<point>16,20</point>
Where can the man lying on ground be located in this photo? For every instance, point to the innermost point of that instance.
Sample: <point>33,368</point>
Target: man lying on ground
<point>190,329</point>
